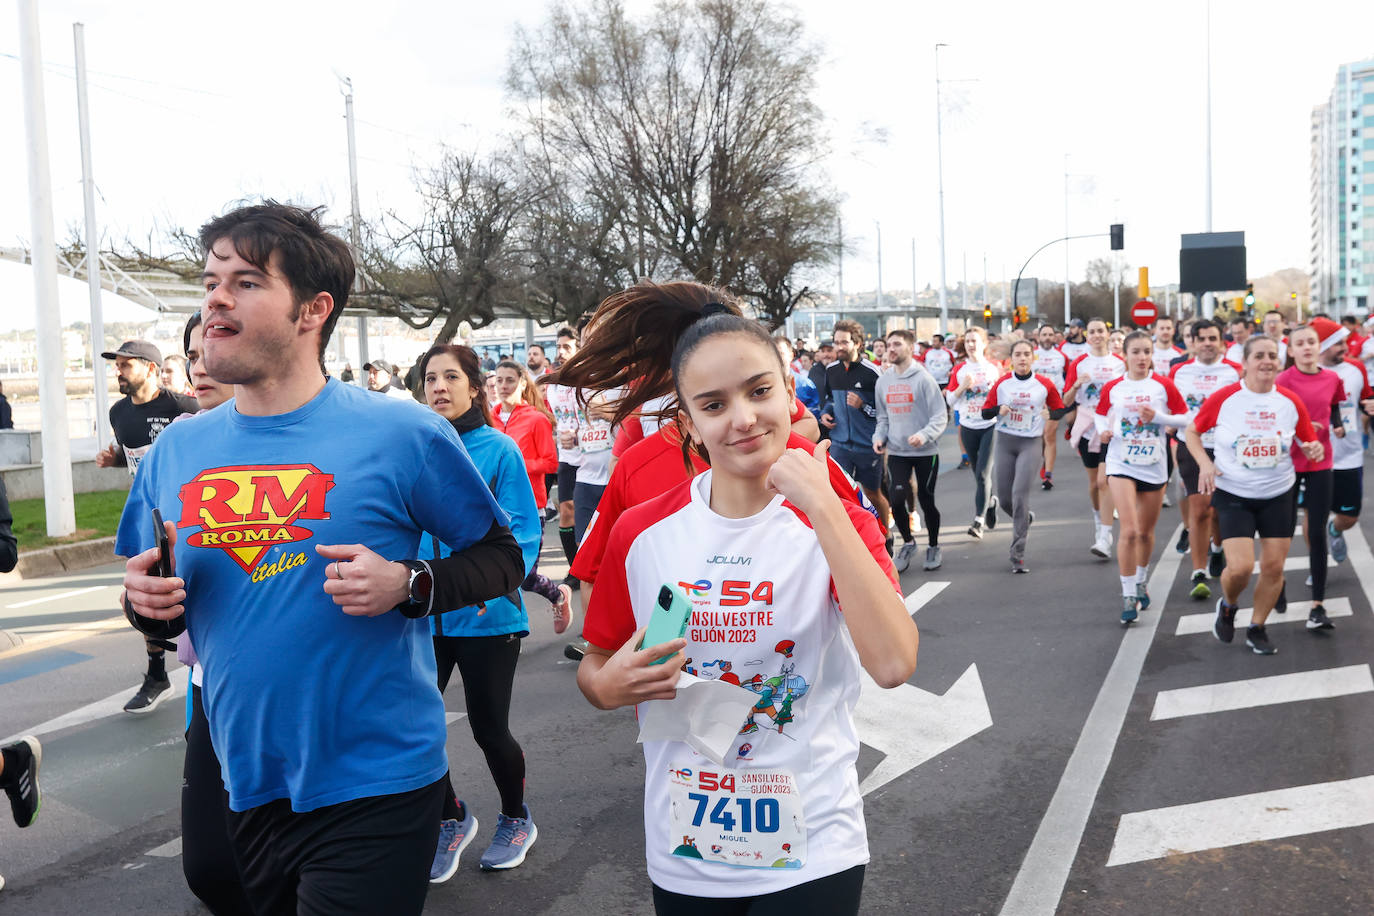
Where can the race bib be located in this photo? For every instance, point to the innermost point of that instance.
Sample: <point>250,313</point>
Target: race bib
<point>1140,450</point>
<point>1209,439</point>
<point>134,455</point>
<point>1019,420</point>
<point>748,818</point>
<point>1258,452</point>
<point>1348,419</point>
<point>594,438</point>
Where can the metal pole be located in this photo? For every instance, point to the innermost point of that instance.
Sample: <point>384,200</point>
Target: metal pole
<point>1068,276</point>
<point>83,116</point>
<point>987,301</point>
<point>1209,300</point>
<point>940,172</point>
<point>355,224</point>
<point>913,284</point>
<point>839,260</point>
<point>879,301</point>
<point>1116,295</point>
<point>963,287</point>
<point>59,505</point>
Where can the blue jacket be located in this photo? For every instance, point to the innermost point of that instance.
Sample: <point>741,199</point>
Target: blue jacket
<point>501,465</point>
<point>854,426</point>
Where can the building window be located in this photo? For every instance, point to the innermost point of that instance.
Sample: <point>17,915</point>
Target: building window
<point>1355,243</point>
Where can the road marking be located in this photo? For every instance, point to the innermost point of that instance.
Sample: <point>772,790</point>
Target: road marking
<point>1039,883</point>
<point>1292,564</point>
<point>1192,624</point>
<point>1361,560</point>
<point>57,597</point>
<point>14,670</point>
<point>112,705</point>
<point>923,596</point>
<point>68,633</point>
<point>1144,835</point>
<point>169,850</point>
<point>1262,691</point>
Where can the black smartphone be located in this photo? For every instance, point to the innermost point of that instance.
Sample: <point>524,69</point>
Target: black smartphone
<point>164,547</point>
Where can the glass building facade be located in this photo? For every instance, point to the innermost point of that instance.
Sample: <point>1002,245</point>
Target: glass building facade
<point>1342,194</point>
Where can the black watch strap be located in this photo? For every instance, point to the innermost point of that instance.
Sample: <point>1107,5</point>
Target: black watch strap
<point>421,587</point>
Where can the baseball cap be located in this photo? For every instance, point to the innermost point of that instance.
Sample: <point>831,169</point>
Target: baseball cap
<point>136,349</point>
<point>380,365</point>
<point>1077,323</point>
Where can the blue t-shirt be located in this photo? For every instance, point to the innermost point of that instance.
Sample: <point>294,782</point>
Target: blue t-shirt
<point>304,701</point>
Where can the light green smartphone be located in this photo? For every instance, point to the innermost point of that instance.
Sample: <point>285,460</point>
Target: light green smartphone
<point>669,620</point>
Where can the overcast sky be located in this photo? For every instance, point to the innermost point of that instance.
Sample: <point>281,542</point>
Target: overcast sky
<point>197,105</point>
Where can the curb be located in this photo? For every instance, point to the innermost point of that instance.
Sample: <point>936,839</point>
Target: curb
<point>53,561</point>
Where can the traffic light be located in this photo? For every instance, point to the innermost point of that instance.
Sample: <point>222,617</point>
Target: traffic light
<point>1250,295</point>
<point>987,313</point>
<point>1118,233</point>
<point>1022,314</point>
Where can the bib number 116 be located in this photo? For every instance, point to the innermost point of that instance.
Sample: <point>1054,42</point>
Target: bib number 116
<point>761,815</point>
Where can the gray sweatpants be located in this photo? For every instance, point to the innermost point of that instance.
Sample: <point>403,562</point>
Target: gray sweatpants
<point>1018,459</point>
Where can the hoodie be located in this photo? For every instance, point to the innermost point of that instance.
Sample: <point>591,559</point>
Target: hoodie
<point>908,403</point>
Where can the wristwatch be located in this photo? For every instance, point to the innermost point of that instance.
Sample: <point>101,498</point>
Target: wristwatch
<point>421,589</point>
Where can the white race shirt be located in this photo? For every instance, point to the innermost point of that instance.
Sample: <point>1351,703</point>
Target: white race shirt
<point>939,361</point>
<point>1093,372</point>
<point>566,417</point>
<point>1028,398</point>
<point>1162,358</point>
<point>970,404</point>
<point>1138,449</point>
<point>1074,350</point>
<point>1052,364</point>
<point>1347,452</point>
<point>1197,381</point>
<point>1254,433</point>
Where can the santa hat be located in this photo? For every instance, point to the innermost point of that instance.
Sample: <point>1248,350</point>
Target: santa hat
<point>1329,332</point>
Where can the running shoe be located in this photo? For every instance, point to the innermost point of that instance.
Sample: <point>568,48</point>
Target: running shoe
<point>1216,561</point>
<point>1224,627</point>
<point>1337,539</point>
<point>976,529</point>
<point>990,514</point>
<point>1201,590</point>
<point>1142,597</point>
<point>573,582</point>
<point>933,558</point>
<point>1168,503</point>
<point>903,558</point>
<point>1281,605</point>
<point>562,609</point>
<point>1258,641</point>
<point>1047,483</point>
<point>1102,547</point>
<point>21,783</point>
<point>454,837</point>
<point>964,463</point>
<point>1182,545</point>
<point>149,696</point>
<point>1308,582</point>
<point>1019,566</point>
<point>888,544</point>
<point>1129,609</point>
<point>575,650</point>
<point>1317,619</point>
<point>514,837</point>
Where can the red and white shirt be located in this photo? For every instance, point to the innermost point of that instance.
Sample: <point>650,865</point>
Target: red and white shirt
<point>765,615</point>
<point>980,377</point>
<point>1253,434</point>
<point>1074,350</point>
<point>1052,364</point>
<point>1348,451</point>
<point>1197,381</point>
<point>1163,357</point>
<point>1139,449</point>
<point>1028,399</point>
<point>939,361</point>
<point>566,418</point>
<point>1091,373</point>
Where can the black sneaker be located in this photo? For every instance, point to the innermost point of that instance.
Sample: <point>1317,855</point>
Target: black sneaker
<point>976,529</point>
<point>21,785</point>
<point>1281,603</point>
<point>1258,641</point>
<point>964,463</point>
<point>149,696</point>
<point>573,583</point>
<point>1047,483</point>
<point>575,650</point>
<point>1216,561</point>
<point>1224,627</point>
<point>990,514</point>
<point>1182,545</point>
<point>1317,619</point>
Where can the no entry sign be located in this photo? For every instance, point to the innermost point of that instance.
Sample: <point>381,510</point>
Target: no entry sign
<point>1144,313</point>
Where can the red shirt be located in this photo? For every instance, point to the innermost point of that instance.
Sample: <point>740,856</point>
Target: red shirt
<point>1319,392</point>
<point>533,432</point>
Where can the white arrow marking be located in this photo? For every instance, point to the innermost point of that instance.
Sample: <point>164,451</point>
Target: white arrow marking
<point>910,725</point>
<point>923,596</point>
<point>1192,624</point>
<point>1262,691</point>
<point>1300,810</point>
<point>168,850</point>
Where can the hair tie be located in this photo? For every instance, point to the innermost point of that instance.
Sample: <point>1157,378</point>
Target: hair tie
<point>715,308</point>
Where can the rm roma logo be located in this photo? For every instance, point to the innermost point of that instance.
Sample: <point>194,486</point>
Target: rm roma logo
<point>248,509</point>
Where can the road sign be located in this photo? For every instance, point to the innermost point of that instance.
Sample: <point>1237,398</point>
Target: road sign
<point>1144,313</point>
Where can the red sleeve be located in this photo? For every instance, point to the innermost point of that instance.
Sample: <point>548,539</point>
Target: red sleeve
<point>587,563</point>
<point>1071,373</point>
<point>1240,370</point>
<point>798,409</point>
<point>954,378</point>
<point>920,357</point>
<point>1052,399</point>
<point>991,402</point>
<point>610,619</point>
<point>1365,391</point>
<point>631,431</point>
<point>545,458</point>
<point>1173,397</point>
<point>1104,400</point>
<point>1303,431</point>
<point>1206,416</point>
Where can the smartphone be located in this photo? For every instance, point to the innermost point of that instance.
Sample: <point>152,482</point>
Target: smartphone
<point>669,620</point>
<point>164,547</point>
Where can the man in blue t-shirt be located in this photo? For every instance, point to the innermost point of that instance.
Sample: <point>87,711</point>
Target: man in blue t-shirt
<point>295,512</point>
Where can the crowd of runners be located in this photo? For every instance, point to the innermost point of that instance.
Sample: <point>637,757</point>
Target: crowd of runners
<point>668,435</point>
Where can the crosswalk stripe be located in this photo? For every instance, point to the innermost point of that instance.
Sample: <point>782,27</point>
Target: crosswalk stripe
<point>1145,835</point>
<point>1191,624</point>
<point>1292,564</point>
<point>923,596</point>
<point>1262,691</point>
<point>1361,560</point>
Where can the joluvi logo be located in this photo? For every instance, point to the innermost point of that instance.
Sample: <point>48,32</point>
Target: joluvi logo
<point>246,510</point>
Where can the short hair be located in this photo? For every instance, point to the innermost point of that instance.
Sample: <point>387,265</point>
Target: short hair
<point>1168,318</point>
<point>1273,312</point>
<point>567,332</point>
<point>780,340</point>
<point>851,327</point>
<point>532,346</point>
<point>312,259</point>
<point>1240,319</point>
<point>904,334</point>
<point>1203,324</point>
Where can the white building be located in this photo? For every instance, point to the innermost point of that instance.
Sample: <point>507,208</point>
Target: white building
<point>1342,194</point>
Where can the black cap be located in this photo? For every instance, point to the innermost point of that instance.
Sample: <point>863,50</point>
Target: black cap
<point>380,365</point>
<point>136,349</point>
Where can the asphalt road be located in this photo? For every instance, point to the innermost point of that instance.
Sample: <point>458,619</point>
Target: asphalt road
<point>1042,758</point>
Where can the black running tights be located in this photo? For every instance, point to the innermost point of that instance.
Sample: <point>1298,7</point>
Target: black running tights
<point>487,666</point>
<point>207,859</point>
<point>1316,507</point>
<point>926,470</point>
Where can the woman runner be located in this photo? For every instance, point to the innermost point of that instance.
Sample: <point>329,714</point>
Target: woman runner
<point>1131,415</point>
<point>969,385</point>
<point>1252,483</point>
<point>820,600</point>
<point>1018,401</point>
<point>484,641</point>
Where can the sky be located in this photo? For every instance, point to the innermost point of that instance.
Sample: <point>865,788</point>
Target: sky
<point>195,106</point>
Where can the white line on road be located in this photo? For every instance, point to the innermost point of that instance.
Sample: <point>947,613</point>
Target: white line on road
<point>1144,835</point>
<point>1039,883</point>
<point>1361,560</point>
<point>1290,564</point>
<point>112,705</point>
<point>57,597</point>
<point>1262,691</point>
<point>923,596</point>
<point>1192,624</point>
<point>169,850</point>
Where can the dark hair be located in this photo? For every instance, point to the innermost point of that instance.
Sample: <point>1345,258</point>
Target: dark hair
<point>568,333</point>
<point>904,334</point>
<point>852,327</point>
<point>312,259</point>
<point>191,324</point>
<point>1101,321</point>
<point>532,346</point>
<point>1137,335</point>
<point>1021,342</point>
<point>533,396</point>
<point>1202,324</point>
<point>472,368</point>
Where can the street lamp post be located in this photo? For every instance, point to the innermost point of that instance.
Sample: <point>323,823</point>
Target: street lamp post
<point>940,173</point>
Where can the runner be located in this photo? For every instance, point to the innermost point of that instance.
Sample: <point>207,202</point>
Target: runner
<point>484,641</point>
<point>1131,415</point>
<point>1251,483</point>
<point>1116,343</point>
<point>1321,392</point>
<point>848,410</point>
<point>333,757</point>
<point>523,417</point>
<point>911,417</point>
<point>1271,326</point>
<point>815,555</point>
<point>1085,379</point>
<point>1165,350</point>
<point>938,360</point>
<point>1347,475</point>
<point>968,392</point>
<point>1197,379</point>
<point>1018,401</point>
<point>1241,330</point>
<point>1075,343</point>
<point>562,400</point>
<point>1050,362</point>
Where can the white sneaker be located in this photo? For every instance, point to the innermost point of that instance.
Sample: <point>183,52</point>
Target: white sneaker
<point>1102,547</point>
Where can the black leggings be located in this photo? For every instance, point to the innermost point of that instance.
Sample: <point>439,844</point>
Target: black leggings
<point>833,895</point>
<point>207,859</point>
<point>487,666</point>
<point>926,469</point>
<point>1316,506</point>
